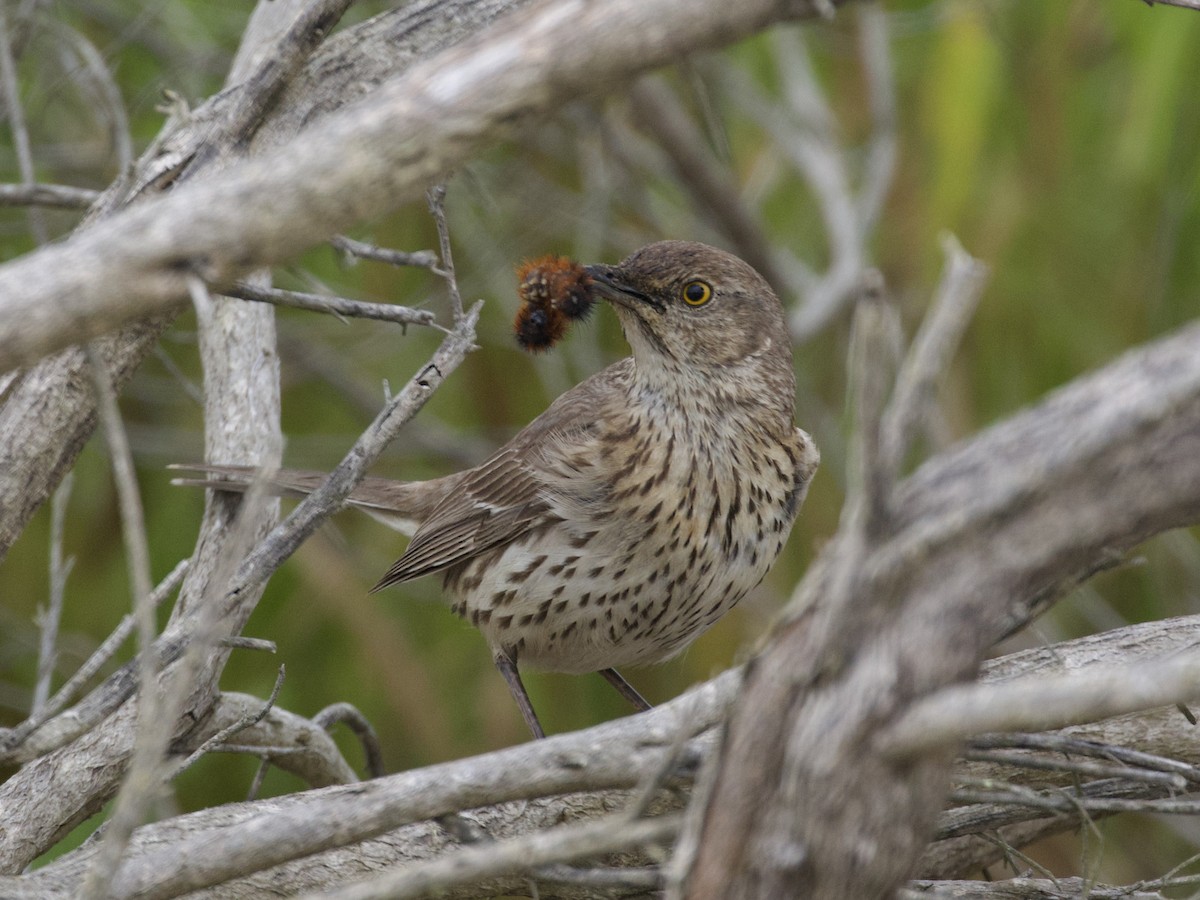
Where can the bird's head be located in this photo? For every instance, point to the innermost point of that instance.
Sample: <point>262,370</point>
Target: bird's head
<point>685,305</point>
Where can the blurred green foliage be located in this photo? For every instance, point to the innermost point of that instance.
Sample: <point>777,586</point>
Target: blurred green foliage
<point>1058,142</point>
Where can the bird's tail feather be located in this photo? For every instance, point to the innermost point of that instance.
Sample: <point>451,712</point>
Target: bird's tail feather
<point>401,505</point>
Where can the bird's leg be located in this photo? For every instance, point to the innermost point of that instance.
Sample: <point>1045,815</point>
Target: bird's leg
<point>508,668</point>
<point>625,689</point>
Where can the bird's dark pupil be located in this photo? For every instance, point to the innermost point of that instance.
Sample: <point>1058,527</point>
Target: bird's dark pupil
<point>695,292</point>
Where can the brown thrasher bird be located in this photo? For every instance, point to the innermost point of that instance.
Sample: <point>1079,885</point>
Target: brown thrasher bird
<point>641,506</point>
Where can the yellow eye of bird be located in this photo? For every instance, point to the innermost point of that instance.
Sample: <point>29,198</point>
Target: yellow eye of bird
<point>696,293</point>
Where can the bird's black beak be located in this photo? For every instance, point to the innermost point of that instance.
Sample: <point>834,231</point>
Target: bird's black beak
<point>608,283</point>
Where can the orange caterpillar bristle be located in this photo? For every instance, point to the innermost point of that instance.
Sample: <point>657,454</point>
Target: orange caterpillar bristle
<point>553,291</point>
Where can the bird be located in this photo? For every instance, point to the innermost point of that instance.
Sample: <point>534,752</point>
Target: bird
<point>641,506</point>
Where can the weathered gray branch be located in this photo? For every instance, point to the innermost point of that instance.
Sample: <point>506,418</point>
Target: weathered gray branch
<point>250,838</point>
<point>979,538</point>
<point>290,742</point>
<point>639,742</point>
<point>55,196</point>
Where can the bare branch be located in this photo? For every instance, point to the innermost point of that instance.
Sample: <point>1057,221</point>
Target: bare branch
<point>1162,731</point>
<point>1072,766</point>
<point>100,89</point>
<point>436,197</point>
<point>247,643</point>
<point>638,747</point>
<point>421,259</point>
<point>135,795</point>
<point>49,619</point>
<point>16,118</point>
<point>283,739</point>
<point>875,52</point>
<point>244,722</point>
<point>871,363</point>
<point>806,134</point>
<point>1038,704</point>
<point>929,357</point>
<point>1068,749</point>
<point>16,745</point>
<point>590,760</point>
<point>57,196</point>
<point>1002,804</point>
<point>1036,889</point>
<point>1026,509</point>
<point>363,730</point>
<point>561,844</point>
<point>338,306</point>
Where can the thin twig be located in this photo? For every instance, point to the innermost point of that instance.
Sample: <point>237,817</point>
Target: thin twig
<point>436,196</point>
<point>189,387</point>
<point>933,347</point>
<point>11,740</point>
<point>875,52</point>
<point>349,716</point>
<point>142,780</point>
<point>1066,802</point>
<point>49,619</point>
<point>874,347</point>
<point>1023,759</point>
<point>248,643</point>
<point>804,129</point>
<point>16,118</point>
<point>995,804</point>
<point>105,94</point>
<point>1038,704</point>
<point>1012,855</point>
<point>477,863</point>
<point>1061,744</point>
<point>421,259</point>
<point>263,750</point>
<point>1048,888</point>
<point>260,774</point>
<point>218,740</point>
<point>56,196</point>
<point>338,306</point>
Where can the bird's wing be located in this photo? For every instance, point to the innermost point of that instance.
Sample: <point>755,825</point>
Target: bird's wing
<point>517,489</point>
<point>497,503</point>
